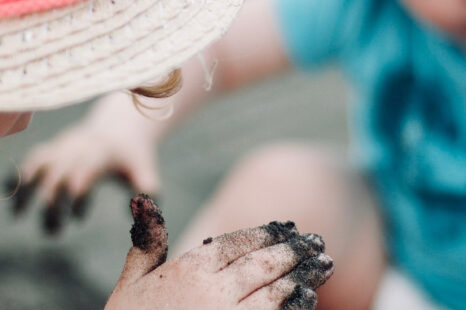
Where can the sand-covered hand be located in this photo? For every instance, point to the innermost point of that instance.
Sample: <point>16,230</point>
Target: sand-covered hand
<point>268,267</point>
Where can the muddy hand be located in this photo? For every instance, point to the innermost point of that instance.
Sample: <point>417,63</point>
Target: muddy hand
<point>270,267</point>
<point>88,152</point>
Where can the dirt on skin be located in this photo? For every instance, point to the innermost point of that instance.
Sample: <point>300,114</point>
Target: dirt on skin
<point>310,274</point>
<point>148,227</point>
<point>280,232</point>
<point>207,241</point>
<point>313,271</point>
<point>315,267</point>
<point>300,299</point>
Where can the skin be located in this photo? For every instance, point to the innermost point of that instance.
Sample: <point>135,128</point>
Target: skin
<point>11,123</point>
<point>237,68</point>
<point>213,276</point>
<point>319,194</point>
<point>247,269</point>
<point>242,270</point>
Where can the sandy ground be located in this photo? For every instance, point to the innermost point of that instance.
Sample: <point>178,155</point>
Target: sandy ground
<point>78,269</point>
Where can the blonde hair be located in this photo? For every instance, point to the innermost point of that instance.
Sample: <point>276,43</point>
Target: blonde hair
<point>167,88</point>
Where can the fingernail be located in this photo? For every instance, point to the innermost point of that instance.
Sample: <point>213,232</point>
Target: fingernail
<point>300,298</point>
<point>280,232</point>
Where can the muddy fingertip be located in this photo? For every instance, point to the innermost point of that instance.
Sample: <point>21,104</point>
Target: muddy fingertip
<point>313,272</point>
<point>301,298</point>
<point>281,231</point>
<point>149,224</point>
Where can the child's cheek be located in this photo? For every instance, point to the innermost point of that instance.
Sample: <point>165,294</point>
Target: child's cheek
<point>11,123</point>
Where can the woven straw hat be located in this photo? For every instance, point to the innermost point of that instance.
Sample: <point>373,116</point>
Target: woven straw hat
<point>57,52</point>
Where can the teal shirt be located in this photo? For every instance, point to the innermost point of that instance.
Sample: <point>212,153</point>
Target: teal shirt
<point>409,125</point>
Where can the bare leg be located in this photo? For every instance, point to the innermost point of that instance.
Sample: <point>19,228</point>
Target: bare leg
<point>314,189</point>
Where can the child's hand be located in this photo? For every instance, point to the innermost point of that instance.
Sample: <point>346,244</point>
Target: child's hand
<point>269,267</point>
<point>66,168</point>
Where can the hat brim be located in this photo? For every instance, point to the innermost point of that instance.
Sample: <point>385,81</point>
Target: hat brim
<point>53,59</point>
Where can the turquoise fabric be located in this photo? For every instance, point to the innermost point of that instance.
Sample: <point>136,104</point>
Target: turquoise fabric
<point>409,125</point>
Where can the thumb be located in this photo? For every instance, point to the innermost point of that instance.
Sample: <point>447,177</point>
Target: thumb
<point>149,237</point>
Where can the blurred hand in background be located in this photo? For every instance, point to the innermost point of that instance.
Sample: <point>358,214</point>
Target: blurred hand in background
<point>65,169</point>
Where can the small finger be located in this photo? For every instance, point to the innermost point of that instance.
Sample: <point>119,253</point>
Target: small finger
<point>56,212</point>
<point>261,267</point>
<point>51,184</point>
<point>296,289</point>
<point>314,271</point>
<point>300,299</point>
<point>80,184</point>
<point>36,164</point>
<point>283,294</point>
<point>224,250</point>
<point>149,237</point>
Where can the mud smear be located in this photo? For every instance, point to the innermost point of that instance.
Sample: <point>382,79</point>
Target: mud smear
<point>306,245</point>
<point>148,232</point>
<point>207,241</point>
<point>146,217</point>
<point>314,269</point>
<point>313,272</point>
<point>281,232</point>
<point>300,299</point>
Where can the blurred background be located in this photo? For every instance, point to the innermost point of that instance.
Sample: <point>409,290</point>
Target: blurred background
<point>78,268</point>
